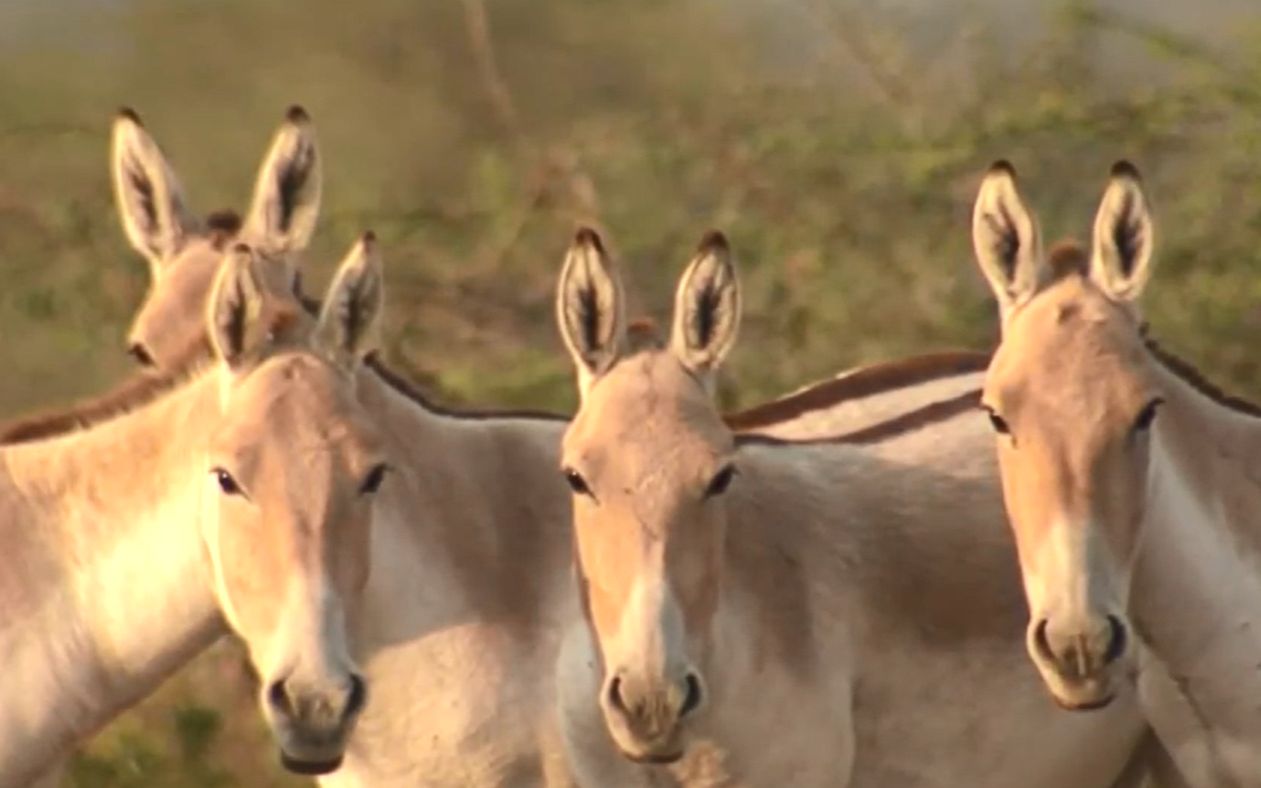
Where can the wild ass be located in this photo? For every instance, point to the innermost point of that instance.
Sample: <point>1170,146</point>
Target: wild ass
<point>1130,484</point>
<point>168,334</point>
<point>244,493</point>
<point>183,255</point>
<point>168,337</point>
<point>484,746</point>
<point>765,613</point>
<point>461,677</point>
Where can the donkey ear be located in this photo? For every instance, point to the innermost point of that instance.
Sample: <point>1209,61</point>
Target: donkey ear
<point>707,307</point>
<point>236,304</point>
<point>349,323</point>
<point>590,306</point>
<point>286,200</point>
<point>150,201</point>
<point>1005,237</point>
<point>1120,260</point>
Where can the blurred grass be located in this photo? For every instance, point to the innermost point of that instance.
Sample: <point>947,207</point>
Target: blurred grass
<point>839,143</point>
<point>201,730</point>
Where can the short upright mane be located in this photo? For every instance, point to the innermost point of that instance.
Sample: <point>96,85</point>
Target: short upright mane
<point>410,391</point>
<point>221,227</point>
<point>139,389</point>
<point>1195,379</point>
<point>863,382</point>
<point>1067,257</point>
<point>642,334</point>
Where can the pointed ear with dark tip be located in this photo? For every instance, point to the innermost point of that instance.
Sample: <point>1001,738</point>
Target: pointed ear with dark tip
<point>349,323</point>
<point>590,307</point>
<point>150,202</point>
<point>286,201</point>
<point>1121,254</point>
<point>706,307</point>
<point>1005,237</point>
<point>236,304</point>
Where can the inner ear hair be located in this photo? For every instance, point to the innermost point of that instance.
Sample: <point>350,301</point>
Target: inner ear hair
<point>590,304</point>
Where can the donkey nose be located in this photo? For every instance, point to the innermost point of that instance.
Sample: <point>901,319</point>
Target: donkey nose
<point>655,712</point>
<point>318,707</point>
<point>1083,652</point>
<point>693,697</point>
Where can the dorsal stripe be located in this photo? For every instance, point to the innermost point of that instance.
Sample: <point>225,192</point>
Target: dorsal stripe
<point>863,382</point>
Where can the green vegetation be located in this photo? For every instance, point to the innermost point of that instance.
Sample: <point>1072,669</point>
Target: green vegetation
<point>839,144</point>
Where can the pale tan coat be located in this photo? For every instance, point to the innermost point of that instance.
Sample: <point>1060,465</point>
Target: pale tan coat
<point>1131,485</point>
<point>500,738</point>
<point>483,652</point>
<point>125,543</point>
<point>492,733</point>
<point>842,615</point>
<point>168,335</point>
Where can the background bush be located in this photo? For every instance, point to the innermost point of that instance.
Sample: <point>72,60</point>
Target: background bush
<point>839,144</point>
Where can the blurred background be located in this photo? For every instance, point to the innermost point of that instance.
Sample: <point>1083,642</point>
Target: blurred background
<point>838,142</point>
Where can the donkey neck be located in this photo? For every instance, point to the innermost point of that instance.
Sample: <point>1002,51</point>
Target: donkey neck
<point>1200,535</point>
<point>106,591</point>
<point>866,541</point>
<point>476,524</point>
<point>857,584</point>
<point>1195,596</point>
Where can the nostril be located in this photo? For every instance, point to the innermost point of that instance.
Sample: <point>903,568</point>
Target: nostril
<point>139,353</point>
<point>278,697</point>
<point>692,701</point>
<point>615,694</point>
<point>358,695</point>
<point>1041,643</point>
<point>1117,643</point>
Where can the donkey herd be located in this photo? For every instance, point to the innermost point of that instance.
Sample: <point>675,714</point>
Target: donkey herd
<point>819,591</point>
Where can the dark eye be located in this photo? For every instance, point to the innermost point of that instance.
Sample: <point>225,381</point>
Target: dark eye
<point>997,421</point>
<point>372,482</point>
<point>226,482</point>
<point>576,482</point>
<point>1147,415</point>
<point>140,354</point>
<point>721,481</point>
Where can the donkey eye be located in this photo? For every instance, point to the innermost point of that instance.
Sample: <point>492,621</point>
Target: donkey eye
<point>721,481</point>
<point>576,482</point>
<point>226,482</point>
<point>996,421</point>
<point>1147,415</point>
<point>372,482</point>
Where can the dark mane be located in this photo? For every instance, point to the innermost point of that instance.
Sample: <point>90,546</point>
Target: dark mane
<point>1066,257</point>
<point>142,388</point>
<point>1195,379</point>
<point>405,387</point>
<point>145,386</point>
<point>921,417</point>
<point>412,392</point>
<point>863,382</point>
<point>642,334</point>
<point>138,389</point>
<point>221,227</point>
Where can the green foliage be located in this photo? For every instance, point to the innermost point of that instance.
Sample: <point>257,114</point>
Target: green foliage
<point>839,143</point>
<point>202,730</point>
